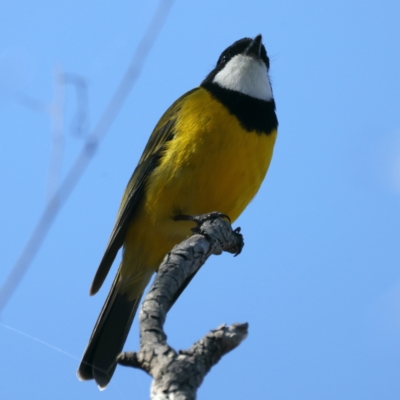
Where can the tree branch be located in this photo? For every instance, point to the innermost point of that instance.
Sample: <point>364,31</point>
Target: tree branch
<point>178,375</point>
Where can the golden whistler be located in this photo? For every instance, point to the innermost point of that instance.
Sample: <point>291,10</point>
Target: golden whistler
<point>210,151</point>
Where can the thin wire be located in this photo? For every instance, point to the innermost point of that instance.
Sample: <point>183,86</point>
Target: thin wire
<point>57,349</point>
<point>39,341</point>
<point>84,157</point>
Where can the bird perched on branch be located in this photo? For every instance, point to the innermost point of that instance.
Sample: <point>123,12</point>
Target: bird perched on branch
<point>210,151</point>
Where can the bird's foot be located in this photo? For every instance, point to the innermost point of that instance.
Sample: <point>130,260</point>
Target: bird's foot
<point>200,219</point>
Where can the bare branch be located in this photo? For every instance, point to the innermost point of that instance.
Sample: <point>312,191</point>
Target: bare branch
<point>80,121</point>
<point>178,375</point>
<point>57,131</point>
<point>83,159</point>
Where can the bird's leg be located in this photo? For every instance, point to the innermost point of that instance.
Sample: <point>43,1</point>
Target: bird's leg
<point>200,219</point>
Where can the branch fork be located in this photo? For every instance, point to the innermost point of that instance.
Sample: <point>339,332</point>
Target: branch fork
<point>178,375</point>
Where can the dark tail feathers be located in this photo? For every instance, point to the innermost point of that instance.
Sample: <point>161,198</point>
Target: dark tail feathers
<point>108,337</point>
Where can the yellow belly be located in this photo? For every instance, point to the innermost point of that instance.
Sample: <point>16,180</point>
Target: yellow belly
<point>212,164</point>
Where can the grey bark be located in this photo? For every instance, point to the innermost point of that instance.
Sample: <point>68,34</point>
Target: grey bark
<point>178,375</point>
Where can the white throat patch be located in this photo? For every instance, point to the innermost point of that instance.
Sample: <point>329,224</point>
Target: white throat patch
<point>246,75</point>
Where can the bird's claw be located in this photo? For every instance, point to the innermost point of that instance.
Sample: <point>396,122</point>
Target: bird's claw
<point>241,241</point>
<point>200,219</point>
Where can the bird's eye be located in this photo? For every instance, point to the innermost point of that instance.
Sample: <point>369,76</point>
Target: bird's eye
<point>223,59</point>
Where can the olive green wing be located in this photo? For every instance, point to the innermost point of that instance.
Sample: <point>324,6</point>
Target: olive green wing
<point>162,133</point>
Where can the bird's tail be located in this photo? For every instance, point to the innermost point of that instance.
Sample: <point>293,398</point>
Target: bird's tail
<point>108,336</point>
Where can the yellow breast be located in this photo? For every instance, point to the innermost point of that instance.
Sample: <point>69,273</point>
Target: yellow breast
<point>212,164</point>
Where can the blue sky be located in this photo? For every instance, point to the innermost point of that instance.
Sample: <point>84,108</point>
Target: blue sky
<point>318,280</point>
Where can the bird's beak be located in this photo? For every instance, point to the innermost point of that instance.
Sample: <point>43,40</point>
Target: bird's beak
<point>254,48</point>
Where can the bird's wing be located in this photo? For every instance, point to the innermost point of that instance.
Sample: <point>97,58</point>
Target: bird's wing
<point>163,132</point>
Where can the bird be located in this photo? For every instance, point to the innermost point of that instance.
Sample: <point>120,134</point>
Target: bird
<point>210,151</point>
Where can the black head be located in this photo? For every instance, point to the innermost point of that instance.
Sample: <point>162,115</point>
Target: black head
<point>245,46</point>
<point>240,81</point>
